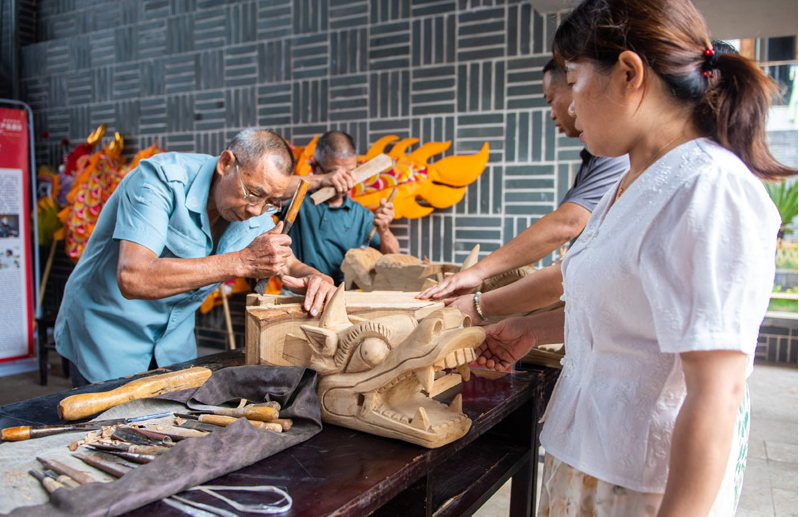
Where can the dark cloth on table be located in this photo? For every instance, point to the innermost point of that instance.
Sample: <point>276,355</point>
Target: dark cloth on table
<point>198,460</point>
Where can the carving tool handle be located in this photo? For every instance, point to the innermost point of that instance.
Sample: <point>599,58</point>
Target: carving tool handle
<point>294,207</point>
<point>376,165</point>
<point>262,414</point>
<point>87,404</point>
<point>59,468</point>
<point>16,434</point>
<point>374,228</point>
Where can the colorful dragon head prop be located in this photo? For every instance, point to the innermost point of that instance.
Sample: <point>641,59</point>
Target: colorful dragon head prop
<point>440,184</point>
<point>96,177</point>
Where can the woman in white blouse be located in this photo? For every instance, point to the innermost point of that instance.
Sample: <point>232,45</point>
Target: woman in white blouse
<point>666,288</point>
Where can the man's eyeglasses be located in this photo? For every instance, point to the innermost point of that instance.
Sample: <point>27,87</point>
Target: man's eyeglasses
<point>267,205</point>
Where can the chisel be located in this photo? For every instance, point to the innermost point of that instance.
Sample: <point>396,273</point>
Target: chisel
<point>224,421</point>
<point>60,468</point>
<point>109,467</point>
<point>260,413</point>
<point>24,432</point>
<point>49,484</point>
<point>374,228</point>
<point>288,221</point>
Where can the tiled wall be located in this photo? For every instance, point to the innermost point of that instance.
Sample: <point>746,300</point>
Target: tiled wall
<point>191,73</point>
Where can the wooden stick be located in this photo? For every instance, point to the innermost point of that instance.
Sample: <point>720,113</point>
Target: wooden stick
<point>87,404</point>
<point>374,228</point>
<point>378,164</point>
<point>228,322</point>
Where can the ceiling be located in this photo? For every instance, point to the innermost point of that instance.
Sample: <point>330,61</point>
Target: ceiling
<point>727,19</point>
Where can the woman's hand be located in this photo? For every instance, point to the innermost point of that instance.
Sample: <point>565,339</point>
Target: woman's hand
<point>506,342</point>
<point>463,282</point>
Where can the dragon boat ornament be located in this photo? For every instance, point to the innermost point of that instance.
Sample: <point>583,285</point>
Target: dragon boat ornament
<point>440,184</point>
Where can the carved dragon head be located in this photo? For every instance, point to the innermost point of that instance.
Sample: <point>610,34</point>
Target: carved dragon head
<point>380,375</point>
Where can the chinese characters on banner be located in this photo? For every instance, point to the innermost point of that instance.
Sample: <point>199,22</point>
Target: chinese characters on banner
<point>16,304</point>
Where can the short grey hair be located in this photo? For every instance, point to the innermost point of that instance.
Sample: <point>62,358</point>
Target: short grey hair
<point>251,145</point>
<point>334,143</point>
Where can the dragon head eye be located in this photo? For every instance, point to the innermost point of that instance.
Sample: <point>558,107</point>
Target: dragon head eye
<point>371,352</point>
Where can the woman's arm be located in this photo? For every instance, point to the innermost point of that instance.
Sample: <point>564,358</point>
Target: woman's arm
<point>509,340</point>
<point>700,448</point>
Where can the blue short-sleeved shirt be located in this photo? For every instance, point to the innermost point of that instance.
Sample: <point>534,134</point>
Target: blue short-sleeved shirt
<point>322,234</point>
<point>160,205</point>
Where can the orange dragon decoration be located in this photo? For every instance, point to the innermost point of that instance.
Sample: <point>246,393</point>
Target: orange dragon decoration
<point>440,184</point>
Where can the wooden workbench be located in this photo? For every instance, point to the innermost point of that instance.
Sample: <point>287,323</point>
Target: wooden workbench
<point>349,473</point>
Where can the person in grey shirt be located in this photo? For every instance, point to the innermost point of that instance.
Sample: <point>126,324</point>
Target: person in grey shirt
<point>595,176</point>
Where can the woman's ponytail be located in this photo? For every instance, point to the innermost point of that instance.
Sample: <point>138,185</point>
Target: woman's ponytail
<point>734,113</point>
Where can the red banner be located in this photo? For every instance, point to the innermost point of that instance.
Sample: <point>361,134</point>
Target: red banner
<point>16,269</point>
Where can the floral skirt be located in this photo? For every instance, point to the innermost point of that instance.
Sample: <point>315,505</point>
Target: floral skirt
<point>568,492</point>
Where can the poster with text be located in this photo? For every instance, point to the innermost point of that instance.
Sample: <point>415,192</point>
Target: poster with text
<point>16,272</point>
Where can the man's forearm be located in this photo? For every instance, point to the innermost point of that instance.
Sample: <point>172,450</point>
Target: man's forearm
<point>388,242</point>
<point>539,289</point>
<point>536,241</point>
<point>163,277</point>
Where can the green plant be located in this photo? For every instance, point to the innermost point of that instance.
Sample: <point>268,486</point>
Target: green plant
<point>784,305</point>
<point>786,196</point>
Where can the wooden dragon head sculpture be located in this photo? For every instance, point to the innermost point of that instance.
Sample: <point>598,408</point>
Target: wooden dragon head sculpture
<point>379,375</point>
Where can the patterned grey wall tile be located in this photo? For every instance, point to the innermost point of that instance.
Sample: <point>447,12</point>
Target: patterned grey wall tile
<point>180,74</point>
<point>209,111</point>
<point>36,92</point>
<point>126,117</point>
<point>274,19</point>
<point>520,28</point>
<point>153,39</point>
<point>421,8</point>
<point>241,23</point>
<point>79,57</point>
<point>433,41</point>
<point>58,124</point>
<point>344,14</point>
<point>435,129</point>
<point>103,114</point>
<point>388,10</point>
<point>564,178</point>
<point>538,33</point>
<point>309,57</point>
<point>208,29</point>
<point>128,12</point>
<point>79,121</point>
<point>389,94</point>
<point>310,16</point>
<point>274,105</point>
<point>348,52</point>
<point>180,113</point>
<point>182,7</point>
<point>153,116</point>
<point>241,66</point>
<point>349,98</point>
<point>213,143</point>
<point>154,9</point>
<point>385,127</point>
<point>274,61</point>
<point>126,44</point>
<point>101,48</point>
<point>310,101</point>
<point>58,91</point>
<point>79,88</point>
<point>34,62</point>
<point>151,76</point>
<point>241,108</point>
<point>389,45</point>
<point>210,69</point>
<point>180,142</point>
<point>57,57</point>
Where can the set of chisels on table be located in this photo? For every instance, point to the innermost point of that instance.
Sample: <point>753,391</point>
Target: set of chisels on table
<point>120,445</point>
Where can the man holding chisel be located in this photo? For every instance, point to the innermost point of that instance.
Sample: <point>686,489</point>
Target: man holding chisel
<point>176,227</point>
<point>324,233</point>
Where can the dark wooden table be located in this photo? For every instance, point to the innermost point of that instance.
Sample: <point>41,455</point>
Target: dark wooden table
<point>349,473</point>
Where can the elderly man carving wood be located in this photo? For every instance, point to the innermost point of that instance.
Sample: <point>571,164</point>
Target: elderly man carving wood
<point>176,227</point>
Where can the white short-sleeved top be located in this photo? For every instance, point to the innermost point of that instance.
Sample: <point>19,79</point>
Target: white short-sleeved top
<point>683,261</point>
